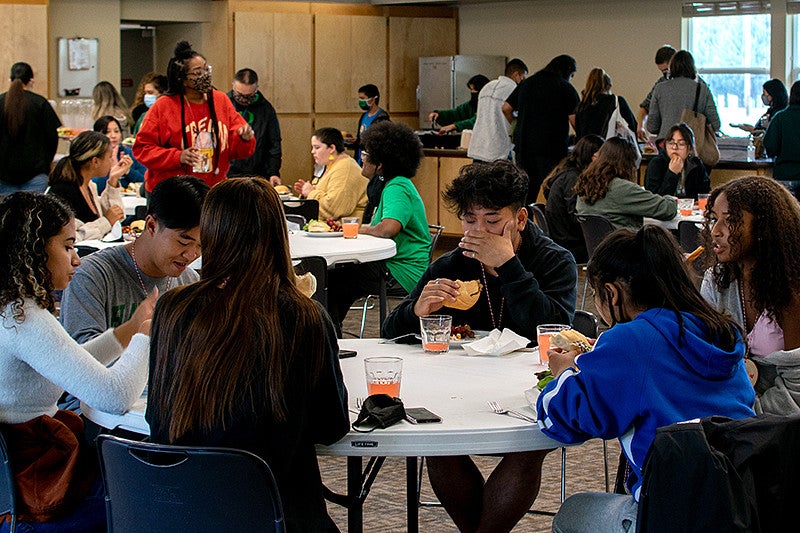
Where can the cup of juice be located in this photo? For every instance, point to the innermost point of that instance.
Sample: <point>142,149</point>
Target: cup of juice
<point>685,206</point>
<point>702,201</point>
<point>435,330</point>
<point>350,227</point>
<point>383,375</point>
<point>543,333</point>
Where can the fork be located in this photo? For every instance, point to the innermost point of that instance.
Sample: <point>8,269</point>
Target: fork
<point>495,407</point>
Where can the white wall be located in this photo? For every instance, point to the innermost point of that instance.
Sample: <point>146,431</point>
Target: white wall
<point>619,36</point>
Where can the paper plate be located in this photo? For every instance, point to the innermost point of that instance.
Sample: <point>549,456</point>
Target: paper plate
<point>324,233</point>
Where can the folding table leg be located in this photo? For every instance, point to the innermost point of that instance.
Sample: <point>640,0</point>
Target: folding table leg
<point>412,507</point>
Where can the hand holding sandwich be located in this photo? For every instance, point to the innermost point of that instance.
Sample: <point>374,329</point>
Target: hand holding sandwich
<point>565,347</point>
<point>443,292</point>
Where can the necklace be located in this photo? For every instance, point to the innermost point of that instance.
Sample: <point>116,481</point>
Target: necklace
<point>495,325</point>
<point>139,274</point>
<point>744,305</point>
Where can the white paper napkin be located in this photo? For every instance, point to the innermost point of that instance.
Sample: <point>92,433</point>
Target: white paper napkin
<point>115,234</point>
<point>497,343</point>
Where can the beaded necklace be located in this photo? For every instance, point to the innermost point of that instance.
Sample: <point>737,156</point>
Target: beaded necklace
<point>495,325</point>
<point>138,271</point>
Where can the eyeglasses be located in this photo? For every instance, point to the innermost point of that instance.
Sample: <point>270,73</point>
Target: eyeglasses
<point>677,144</point>
<point>196,73</point>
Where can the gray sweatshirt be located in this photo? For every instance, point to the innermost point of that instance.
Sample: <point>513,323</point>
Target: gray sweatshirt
<point>671,97</point>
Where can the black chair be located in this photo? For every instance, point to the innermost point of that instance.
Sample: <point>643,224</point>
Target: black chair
<point>300,220</point>
<point>436,232</point>
<point>536,213</point>
<point>308,209</point>
<point>318,267</point>
<point>595,228</point>
<point>153,487</point>
<point>139,212</point>
<point>689,235</point>
<point>8,504</point>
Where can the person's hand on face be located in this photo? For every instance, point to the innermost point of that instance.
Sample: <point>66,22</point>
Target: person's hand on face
<point>433,295</point>
<point>490,249</point>
<point>676,164</point>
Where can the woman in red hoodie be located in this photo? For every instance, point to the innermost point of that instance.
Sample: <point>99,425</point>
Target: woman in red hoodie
<point>194,129</point>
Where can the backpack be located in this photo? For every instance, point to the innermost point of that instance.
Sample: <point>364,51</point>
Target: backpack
<point>618,127</point>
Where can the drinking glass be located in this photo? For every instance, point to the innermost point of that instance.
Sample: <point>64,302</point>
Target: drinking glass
<point>383,375</point>
<point>435,331</point>
<point>543,334</point>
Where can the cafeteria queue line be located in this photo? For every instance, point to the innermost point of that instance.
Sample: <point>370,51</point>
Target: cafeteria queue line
<point>241,358</point>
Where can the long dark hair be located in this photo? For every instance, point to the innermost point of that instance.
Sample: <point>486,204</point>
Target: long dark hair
<point>27,222</point>
<point>780,98</point>
<point>260,323</point>
<point>82,149</point>
<point>16,105</point>
<point>775,242</point>
<point>649,266</point>
<point>578,159</point>
<point>615,159</point>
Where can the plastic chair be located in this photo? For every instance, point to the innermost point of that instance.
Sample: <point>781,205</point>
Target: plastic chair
<point>318,267</point>
<point>300,220</point>
<point>153,487</point>
<point>308,209</point>
<point>689,234</point>
<point>8,504</point>
<point>595,228</point>
<point>536,212</point>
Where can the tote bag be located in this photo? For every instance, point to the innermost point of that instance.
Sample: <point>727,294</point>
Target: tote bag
<point>704,139</point>
<point>618,127</point>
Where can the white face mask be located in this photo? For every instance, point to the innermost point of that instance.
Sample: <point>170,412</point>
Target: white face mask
<point>150,99</point>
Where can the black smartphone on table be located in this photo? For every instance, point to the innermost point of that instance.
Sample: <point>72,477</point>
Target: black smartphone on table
<point>344,354</point>
<point>420,415</point>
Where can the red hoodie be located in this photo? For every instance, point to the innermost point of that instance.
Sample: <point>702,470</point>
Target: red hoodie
<point>159,142</point>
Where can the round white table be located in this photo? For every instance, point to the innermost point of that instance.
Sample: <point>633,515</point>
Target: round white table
<point>672,224</point>
<point>131,202</point>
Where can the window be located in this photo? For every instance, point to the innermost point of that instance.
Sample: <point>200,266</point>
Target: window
<point>730,42</point>
<point>793,8</point>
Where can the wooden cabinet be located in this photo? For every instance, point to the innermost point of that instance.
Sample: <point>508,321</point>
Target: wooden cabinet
<point>434,175</point>
<point>25,38</point>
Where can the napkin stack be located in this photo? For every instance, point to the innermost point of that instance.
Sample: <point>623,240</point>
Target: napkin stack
<point>497,343</point>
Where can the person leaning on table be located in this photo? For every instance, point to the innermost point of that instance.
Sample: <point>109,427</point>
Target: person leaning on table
<point>527,280</point>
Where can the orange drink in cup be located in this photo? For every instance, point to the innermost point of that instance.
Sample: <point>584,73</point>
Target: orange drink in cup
<point>383,375</point>
<point>435,331</point>
<point>702,201</point>
<point>543,333</point>
<point>350,227</point>
<point>685,206</point>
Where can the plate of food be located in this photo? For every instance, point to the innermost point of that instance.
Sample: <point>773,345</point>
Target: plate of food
<point>323,228</point>
<point>461,335</point>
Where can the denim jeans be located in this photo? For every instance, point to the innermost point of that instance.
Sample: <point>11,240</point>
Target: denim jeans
<point>89,517</point>
<point>596,512</point>
<point>37,183</point>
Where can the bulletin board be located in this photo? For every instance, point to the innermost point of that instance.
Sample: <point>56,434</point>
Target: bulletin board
<point>77,67</point>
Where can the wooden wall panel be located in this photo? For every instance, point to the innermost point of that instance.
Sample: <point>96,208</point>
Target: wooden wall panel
<point>427,183</point>
<point>293,60</point>
<point>254,47</point>
<point>410,39</point>
<point>296,144</point>
<point>448,171</point>
<point>24,30</point>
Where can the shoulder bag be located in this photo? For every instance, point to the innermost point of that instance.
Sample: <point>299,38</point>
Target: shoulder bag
<point>704,139</point>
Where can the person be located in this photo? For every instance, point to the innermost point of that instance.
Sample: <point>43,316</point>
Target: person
<point>663,57</point>
<point>55,476</point>
<point>342,190</point>
<point>108,101</point>
<point>608,187</point>
<point>109,285</point>
<point>559,190</point>
<point>527,280</point>
<point>598,104</point>
<point>672,96</point>
<point>782,141</point>
<point>393,155</point>
<point>134,172</point>
<point>193,129</point>
<point>677,171</point>
<point>259,113</point>
<point>775,97</point>
<point>151,87</point>
<point>491,138</point>
<point>545,104</point>
<point>242,359</point>
<point>90,157</point>
<point>152,84</point>
<point>692,367</point>
<point>461,117</point>
<point>753,228</point>
<point>28,134</point>
<point>368,99</point>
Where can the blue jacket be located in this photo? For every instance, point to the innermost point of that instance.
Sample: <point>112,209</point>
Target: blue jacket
<point>640,376</point>
<point>135,174</point>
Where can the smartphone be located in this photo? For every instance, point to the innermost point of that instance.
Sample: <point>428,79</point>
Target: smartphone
<point>344,354</point>
<point>420,415</point>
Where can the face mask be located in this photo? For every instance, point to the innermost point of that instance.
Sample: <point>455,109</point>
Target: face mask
<point>244,99</point>
<point>202,84</point>
<point>150,99</point>
<point>765,99</point>
<point>363,104</point>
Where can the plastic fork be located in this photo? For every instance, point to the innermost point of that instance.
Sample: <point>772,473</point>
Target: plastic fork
<point>495,407</point>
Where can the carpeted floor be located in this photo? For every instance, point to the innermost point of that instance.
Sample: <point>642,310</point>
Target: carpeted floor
<point>385,510</point>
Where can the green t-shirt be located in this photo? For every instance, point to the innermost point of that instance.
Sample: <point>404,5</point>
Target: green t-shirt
<point>400,201</point>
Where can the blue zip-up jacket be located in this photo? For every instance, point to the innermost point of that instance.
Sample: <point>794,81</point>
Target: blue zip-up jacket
<point>640,376</point>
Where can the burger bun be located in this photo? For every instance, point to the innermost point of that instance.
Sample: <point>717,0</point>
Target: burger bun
<point>468,294</point>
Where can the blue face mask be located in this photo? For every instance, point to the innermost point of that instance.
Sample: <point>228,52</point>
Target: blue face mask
<point>150,99</point>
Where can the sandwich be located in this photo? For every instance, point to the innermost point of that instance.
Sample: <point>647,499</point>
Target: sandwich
<point>306,283</point>
<point>571,340</point>
<point>282,189</point>
<point>468,294</point>
<point>318,226</point>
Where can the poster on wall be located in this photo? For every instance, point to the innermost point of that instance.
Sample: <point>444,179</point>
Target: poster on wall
<point>77,66</point>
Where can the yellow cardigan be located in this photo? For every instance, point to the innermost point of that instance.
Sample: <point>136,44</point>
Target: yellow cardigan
<point>341,191</point>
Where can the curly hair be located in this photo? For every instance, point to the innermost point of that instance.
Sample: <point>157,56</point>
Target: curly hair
<point>775,240</point>
<point>615,159</point>
<point>158,81</point>
<point>489,185</point>
<point>27,222</point>
<point>395,146</point>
